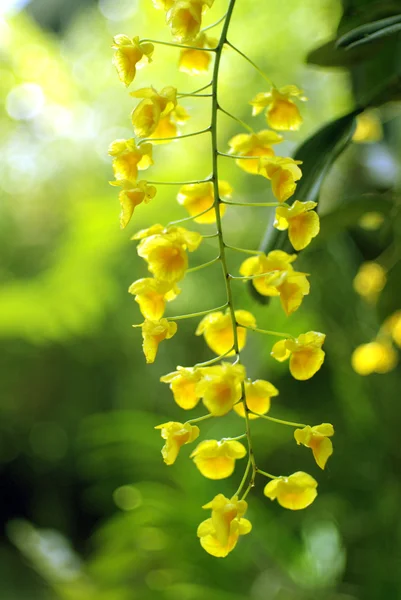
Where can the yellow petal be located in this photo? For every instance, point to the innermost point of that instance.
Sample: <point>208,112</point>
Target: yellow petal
<point>305,363</point>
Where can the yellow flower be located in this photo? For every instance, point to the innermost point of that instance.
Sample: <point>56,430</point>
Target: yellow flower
<point>301,221</point>
<point>218,330</point>
<point>283,173</point>
<point>152,296</point>
<point>154,332</point>
<point>392,326</point>
<point>216,460</point>
<point>220,387</point>
<point>305,353</point>
<point>258,394</point>
<point>167,126</point>
<point>176,435</point>
<point>278,278</point>
<point>196,62</point>
<point>165,250</point>
<point>368,128</point>
<point>154,107</point>
<point>371,220</point>
<point>184,385</point>
<point>375,357</point>
<point>253,144</point>
<point>219,534</point>
<point>185,18</point>
<point>128,158</point>
<point>132,194</point>
<point>294,492</point>
<point>198,197</point>
<point>129,56</point>
<point>163,4</point>
<point>317,438</point>
<point>370,280</point>
<point>282,113</point>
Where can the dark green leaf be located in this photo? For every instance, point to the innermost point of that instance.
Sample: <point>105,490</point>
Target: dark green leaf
<point>369,32</point>
<point>329,55</point>
<point>320,151</point>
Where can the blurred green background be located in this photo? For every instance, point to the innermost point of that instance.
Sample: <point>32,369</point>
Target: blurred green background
<point>87,508</point>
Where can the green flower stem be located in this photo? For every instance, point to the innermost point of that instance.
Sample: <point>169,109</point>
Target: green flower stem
<point>215,166</point>
<point>280,421</point>
<point>191,218</point>
<point>174,45</point>
<point>238,437</point>
<point>176,137</point>
<point>244,478</point>
<point>238,156</point>
<point>255,66</point>
<point>210,235</point>
<point>179,96</point>
<point>214,24</point>
<point>250,277</point>
<point>205,87</point>
<point>268,332</point>
<point>260,204</point>
<point>269,475</point>
<point>204,265</point>
<point>197,314</point>
<point>212,361</point>
<point>244,125</point>
<point>179,182</point>
<point>244,250</point>
<point>199,419</point>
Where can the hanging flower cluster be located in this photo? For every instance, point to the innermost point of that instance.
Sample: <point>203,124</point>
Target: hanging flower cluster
<point>221,384</point>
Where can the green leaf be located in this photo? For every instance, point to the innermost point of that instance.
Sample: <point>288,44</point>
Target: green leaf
<point>319,152</point>
<point>370,32</point>
<point>329,55</point>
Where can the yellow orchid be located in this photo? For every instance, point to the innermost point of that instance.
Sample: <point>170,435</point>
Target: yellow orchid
<point>278,278</point>
<point>165,250</point>
<point>305,354</point>
<point>258,394</point>
<point>152,295</point>
<point>219,534</point>
<point>131,195</point>
<point>153,107</point>
<point>184,385</point>
<point>154,332</point>
<point>196,62</point>
<point>282,113</point>
<point>317,438</point>
<point>176,435</point>
<point>294,492</point>
<point>301,220</point>
<point>376,357</point>
<point>253,144</point>
<point>128,158</point>
<point>168,126</point>
<point>392,326</point>
<point>185,18</point>
<point>283,173</point>
<point>368,128</point>
<point>216,460</point>
<point>370,280</point>
<point>220,387</point>
<point>218,330</point>
<point>163,4</point>
<point>198,197</point>
<point>129,56</point>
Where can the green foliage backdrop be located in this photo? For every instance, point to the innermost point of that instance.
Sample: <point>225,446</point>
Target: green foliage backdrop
<point>87,509</point>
